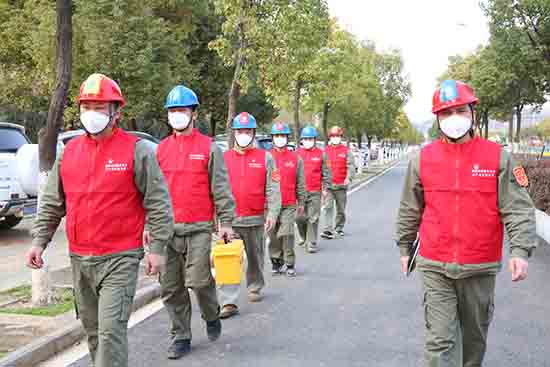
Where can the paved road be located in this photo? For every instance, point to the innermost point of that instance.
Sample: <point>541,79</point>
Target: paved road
<point>351,307</point>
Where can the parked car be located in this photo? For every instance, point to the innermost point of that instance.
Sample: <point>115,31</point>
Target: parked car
<point>66,136</point>
<point>17,193</point>
<point>264,142</point>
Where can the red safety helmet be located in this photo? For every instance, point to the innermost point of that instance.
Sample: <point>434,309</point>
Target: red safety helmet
<point>452,93</point>
<point>336,131</point>
<point>99,88</point>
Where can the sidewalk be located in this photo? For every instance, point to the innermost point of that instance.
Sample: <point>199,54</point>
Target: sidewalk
<point>21,330</point>
<point>14,243</point>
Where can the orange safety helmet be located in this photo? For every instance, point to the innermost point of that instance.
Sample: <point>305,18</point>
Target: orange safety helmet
<point>452,93</point>
<point>336,131</point>
<point>99,88</point>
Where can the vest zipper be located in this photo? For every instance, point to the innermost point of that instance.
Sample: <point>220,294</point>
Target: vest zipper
<point>457,185</point>
<point>92,188</point>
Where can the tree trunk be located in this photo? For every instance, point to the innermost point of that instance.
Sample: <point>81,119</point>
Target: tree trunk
<point>511,128</point>
<point>235,89</point>
<point>211,122</point>
<point>47,140</point>
<point>485,121</point>
<point>297,96</point>
<point>132,124</point>
<point>519,108</point>
<point>369,139</point>
<point>326,108</point>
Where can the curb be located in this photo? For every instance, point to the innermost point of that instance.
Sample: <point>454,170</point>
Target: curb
<point>49,345</point>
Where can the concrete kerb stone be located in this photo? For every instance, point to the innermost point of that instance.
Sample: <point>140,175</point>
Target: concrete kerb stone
<point>56,342</point>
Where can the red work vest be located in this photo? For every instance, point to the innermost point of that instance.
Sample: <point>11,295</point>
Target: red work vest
<point>105,211</point>
<point>337,162</point>
<point>184,163</point>
<point>287,164</point>
<point>313,168</point>
<point>247,171</point>
<point>461,220</point>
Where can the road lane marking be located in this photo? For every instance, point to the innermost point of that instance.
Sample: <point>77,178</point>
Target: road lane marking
<point>372,179</point>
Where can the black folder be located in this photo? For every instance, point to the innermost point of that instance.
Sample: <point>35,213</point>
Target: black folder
<point>413,252</point>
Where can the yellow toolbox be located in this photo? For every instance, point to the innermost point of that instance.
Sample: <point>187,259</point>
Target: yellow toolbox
<point>228,260</point>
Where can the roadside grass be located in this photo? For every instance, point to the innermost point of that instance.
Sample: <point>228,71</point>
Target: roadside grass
<point>63,302</point>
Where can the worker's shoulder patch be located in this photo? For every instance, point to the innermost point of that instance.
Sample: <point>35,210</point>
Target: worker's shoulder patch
<point>520,176</point>
<point>276,175</point>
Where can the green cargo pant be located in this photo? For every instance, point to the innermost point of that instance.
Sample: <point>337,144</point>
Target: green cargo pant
<point>281,237</point>
<point>457,315</point>
<point>336,198</point>
<point>308,224</point>
<point>188,266</point>
<point>253,238</point>
<point>104,288</point>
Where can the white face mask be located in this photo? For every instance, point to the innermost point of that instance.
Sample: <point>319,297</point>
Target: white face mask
<point>94,122</point>
<point>280,141</point>
<point>308,144</point>
<point>335,140</point>
<point>455,126</point>
<point>243,140</point>
<point>179,120</point>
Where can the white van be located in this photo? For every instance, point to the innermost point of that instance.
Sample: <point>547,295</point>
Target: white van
<point>14,199</point>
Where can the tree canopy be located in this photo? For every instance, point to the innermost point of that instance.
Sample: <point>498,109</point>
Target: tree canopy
<point>261,56</point>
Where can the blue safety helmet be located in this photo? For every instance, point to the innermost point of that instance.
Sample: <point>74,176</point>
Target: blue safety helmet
<point>181,96</point>
<point>280,128</point>
<point>308,132</point>
<point>244,120</point>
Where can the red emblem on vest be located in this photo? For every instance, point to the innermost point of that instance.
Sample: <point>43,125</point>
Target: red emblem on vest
<point>276,175</point>
<point>521,177</point>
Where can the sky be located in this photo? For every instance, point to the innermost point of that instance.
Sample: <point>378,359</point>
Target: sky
<point>426,31</point>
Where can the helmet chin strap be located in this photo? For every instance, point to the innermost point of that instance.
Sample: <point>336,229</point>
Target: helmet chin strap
<point>182,130</point>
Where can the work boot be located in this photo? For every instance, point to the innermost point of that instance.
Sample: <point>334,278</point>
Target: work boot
<point>312,248</point>
<point>255,296</point>
<point>179,348</point>
<point>277,267</point>
<point>228,311</point>
<point>213,329</point>
<point>328,235</point>
<point>290,271</point>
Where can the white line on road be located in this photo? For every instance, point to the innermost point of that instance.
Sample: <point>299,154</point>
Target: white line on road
<point>370,180</point>
<point>80,350</point>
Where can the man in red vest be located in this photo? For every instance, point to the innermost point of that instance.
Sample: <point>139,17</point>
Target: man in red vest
<point>293,194</point>
<point>460,192</point>
<point>342,169</point>
<point>106,182</point>
<point>254,181</point>
<point>318,180</point>
<point>195,171</point>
